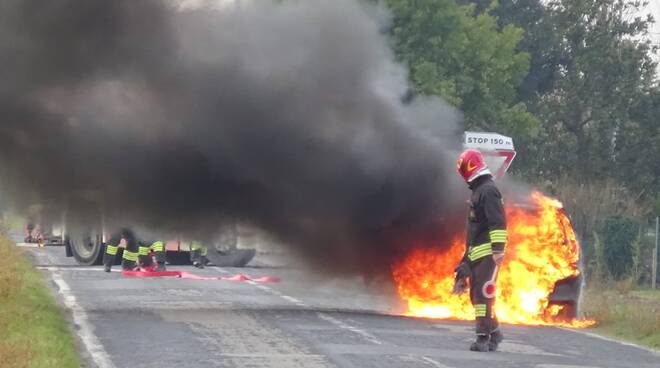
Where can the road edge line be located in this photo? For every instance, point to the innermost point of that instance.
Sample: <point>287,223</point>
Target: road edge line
<point>610,339</point>
<point>85,331</point>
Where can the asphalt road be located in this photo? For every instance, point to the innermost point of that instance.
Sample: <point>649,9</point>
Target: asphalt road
<point>302,321</point>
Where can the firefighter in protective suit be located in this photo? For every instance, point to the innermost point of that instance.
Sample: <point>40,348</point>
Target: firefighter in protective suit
<point>137,253</point>
<point>198,253</point>
<point>485,246</point>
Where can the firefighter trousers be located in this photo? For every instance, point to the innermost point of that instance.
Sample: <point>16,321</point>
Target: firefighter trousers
<point>198,253</point>
<point>135,251</point>
<point>130,253</point>
<point>145,249</point>
<point>483,276</point>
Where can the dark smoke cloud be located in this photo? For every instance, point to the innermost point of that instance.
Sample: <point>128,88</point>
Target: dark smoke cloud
<point>284,115</point>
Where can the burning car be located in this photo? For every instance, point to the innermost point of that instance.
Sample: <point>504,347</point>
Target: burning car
<point>540,279</point>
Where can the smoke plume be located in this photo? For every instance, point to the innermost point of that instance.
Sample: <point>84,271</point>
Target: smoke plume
<point>285,115</point>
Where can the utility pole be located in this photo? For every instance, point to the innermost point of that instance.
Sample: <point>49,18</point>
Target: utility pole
<point>654,268</point>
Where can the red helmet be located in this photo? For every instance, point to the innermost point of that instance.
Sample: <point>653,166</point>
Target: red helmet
<point>471,165</point>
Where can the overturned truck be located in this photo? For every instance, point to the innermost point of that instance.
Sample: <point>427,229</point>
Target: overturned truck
<point>84,233</point>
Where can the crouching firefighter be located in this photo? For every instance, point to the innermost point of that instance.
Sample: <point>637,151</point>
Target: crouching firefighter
<point>485,246</point>
<point>148,262</point>
<point>198,253</point>
<point>136,255</point>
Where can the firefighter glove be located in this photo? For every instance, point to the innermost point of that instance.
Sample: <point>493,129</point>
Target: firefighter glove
<point>462,271</point>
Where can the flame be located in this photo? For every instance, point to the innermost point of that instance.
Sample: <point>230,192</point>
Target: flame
<point>542,249</point>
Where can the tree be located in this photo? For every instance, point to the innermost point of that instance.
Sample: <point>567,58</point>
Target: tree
<point>539,41</point>
<point>590,67</point>
<point>638,150</point>
<point>618,236</point>
<point>460,54</point>
<point>606,66</point>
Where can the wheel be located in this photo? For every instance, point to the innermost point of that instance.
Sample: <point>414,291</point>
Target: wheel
<point>231,258</point>
<point>178,258</point>
<point>568,312</point>
<point>227,238</point>
<point>86,246</point>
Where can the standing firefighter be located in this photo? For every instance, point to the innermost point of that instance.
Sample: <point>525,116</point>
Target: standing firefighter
<point>136,254</point>
<point>486,242</point>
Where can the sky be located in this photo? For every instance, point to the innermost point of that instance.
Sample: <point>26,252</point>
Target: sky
<point>654,9</point>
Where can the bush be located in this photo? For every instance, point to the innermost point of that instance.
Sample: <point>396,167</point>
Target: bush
<point>624,313</point>
<point>618,235</point>
<point>33,332</point>
<point>588,204</point>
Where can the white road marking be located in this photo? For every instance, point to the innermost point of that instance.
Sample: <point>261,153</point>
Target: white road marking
<point>654,352</point>
<point>563,366</point>
<point>58,269</point>
<point>85,330</point>
<point>293,300</point>
<point>434,362</point>
<point>182,305</point>
<point>28,245</point>
<point>222,271</point>
<point>272,291</point>
<point>258,355</point>
<point>521,347</point>
<point>369,337</point>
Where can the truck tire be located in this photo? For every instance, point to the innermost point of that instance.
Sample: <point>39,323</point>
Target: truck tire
<point>178,258</point>
<point>231,258</point>
<point>568,312</point>
<point>87,247</point>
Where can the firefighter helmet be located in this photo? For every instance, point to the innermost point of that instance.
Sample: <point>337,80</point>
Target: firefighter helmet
<point>471,165</point>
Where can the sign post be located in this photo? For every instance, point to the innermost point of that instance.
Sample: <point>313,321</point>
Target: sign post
<point>494,146</point>
<point>654,267</point>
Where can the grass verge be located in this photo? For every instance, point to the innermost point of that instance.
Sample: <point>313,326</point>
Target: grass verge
<point>33,332</point>
<point>628,315</point>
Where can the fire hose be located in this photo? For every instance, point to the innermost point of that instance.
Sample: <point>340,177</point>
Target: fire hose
<point>192,276</point>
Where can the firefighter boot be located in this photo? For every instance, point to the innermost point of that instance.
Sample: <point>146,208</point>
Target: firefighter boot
<point>160,260</point>
<point>197,258</point>
<point>108,260</point>
<point>127,265</point>
<point>496,338</point>
<point>109,256</point>
<point>481,344</point>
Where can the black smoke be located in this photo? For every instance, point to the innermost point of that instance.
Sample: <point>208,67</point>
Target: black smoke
<point>285,115</point>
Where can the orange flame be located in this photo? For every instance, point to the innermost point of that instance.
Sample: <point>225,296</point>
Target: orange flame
<point>542,249</point>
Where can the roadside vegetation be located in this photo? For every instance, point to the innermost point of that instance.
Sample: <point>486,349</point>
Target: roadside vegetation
<point>33,332</point>
<point>621,313</point>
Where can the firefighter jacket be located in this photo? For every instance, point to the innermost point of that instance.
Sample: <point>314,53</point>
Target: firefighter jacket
<point>486,227</point>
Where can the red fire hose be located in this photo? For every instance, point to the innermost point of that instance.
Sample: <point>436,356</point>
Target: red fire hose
<point>192,276</point>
